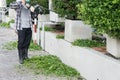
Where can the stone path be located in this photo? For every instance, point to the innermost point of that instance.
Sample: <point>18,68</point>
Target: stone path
<point>9,69</point>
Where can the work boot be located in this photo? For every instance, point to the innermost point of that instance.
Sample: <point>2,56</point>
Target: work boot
<point>25,53</point>
<point>21,60</point>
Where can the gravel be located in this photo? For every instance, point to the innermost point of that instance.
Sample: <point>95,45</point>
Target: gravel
<point>10,69</point>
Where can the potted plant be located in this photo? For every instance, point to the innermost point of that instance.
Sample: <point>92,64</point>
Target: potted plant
<point>104,16</point>
<point>74,27</point>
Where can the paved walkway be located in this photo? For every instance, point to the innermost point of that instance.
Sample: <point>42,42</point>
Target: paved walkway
<point>9,69</point>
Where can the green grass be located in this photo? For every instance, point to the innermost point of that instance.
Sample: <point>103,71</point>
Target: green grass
<point>6,25</point>
<point>88,43</point>
<point>10,45</point>
<point>60,36</point>
<point>13,45</point>
<point>50,65</point>
<point>48,28</point>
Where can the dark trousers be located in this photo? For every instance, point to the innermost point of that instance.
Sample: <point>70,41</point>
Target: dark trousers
<point>24,38</point>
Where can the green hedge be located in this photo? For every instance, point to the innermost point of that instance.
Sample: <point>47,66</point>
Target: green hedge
<point>66,8</point>
<point>43,3</point>
<point>104,15</point>
<point>9,1</point>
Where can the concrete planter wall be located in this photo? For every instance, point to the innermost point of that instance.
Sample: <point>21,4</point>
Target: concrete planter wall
<point>91,64</point>
<point>76,29</point>
<point>7,19</point>
<point>12,13</point>
<point>2,3</point>
<point>44,18</point>
<point>113,46</point>
<point>55,17</point>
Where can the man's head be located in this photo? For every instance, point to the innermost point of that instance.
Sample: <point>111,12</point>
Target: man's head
<point>27,1</point>
<point>23,1</point>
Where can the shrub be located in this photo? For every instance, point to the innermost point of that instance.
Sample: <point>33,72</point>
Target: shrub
<point>43,3</point>
<point>88,43</point>
<point>66,8</point>
<point>9,1</point>
<point>103,15</point>
<point>60,36</point>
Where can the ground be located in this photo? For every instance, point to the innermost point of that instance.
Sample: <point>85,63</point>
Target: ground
<point>10,69</point>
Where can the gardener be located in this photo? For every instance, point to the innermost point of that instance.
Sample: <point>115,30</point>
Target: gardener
<point>23,27</point>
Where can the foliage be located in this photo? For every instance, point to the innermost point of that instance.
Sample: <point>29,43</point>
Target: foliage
<point>9,1</point>
<point>43,3</point>
<point>103,15</point>
<point>34,46</point>
<point>60,36</point>
<point>47,28</point>
<point>10,45</point>
<point>88,43</point>
<point>66,8</point>
<point>50,65</point>
<point>53,28</point>
<point>6,25</point>
<point>13,45</point>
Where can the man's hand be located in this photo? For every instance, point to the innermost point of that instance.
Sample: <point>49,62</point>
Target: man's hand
<point>27,5</point>
<point>23,1</point>
<point>32,9</point>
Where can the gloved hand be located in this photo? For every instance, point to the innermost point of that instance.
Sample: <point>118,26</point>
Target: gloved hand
<point>32,9</point>
<point>27,5</point>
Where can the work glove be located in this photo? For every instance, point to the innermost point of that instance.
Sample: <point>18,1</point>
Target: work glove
<point>30,7</point>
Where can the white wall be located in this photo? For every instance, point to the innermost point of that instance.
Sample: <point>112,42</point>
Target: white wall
<point>2,3</point>
<point>12,13</point>
<point>76,29</point>
<point>91,64</point>
<point>113,46</point>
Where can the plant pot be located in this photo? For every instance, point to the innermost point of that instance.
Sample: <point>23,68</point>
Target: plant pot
<point>76,29</point>
<point>113,46</point>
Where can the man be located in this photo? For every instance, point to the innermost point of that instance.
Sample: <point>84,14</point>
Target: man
<point>23,27</point>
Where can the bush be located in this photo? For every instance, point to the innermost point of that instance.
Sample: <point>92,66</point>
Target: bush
<point>60,36</point>
<point>9,1</point>
<point>66,8</point>
<point>89,43</point>
<point>43,3</point>
<point>103,15</point>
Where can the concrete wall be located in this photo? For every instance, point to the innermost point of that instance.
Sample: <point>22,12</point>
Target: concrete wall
<point>91,64</point>
<point>76,29</point>
<point>12,13</point>
<point>2,3</point>
<point>55,17</point>
<point>44,18</point>
<point>113,46</point>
